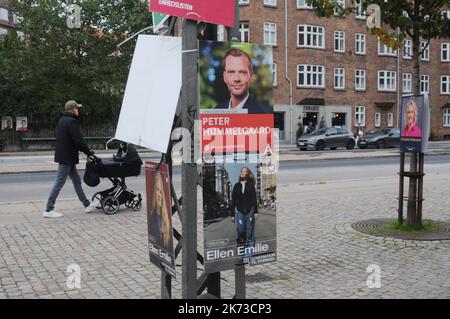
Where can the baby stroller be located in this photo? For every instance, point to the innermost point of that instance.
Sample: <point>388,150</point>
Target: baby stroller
<point>125,163</point>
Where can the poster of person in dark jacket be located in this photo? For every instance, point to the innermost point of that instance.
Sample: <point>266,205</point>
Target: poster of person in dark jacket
<point>159,217</point>
<point>239,204</point>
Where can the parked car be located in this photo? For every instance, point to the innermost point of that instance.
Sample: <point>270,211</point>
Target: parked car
<point>327,137</point>
<point>381,138</point>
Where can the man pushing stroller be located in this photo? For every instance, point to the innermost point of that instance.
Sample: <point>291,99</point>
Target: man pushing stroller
<point>69,141</point>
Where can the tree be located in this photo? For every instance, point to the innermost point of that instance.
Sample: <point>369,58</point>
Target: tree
<point>419,20</point>
<point>55,63</point>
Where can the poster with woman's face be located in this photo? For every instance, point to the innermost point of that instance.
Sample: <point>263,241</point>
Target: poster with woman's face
<point>7,123</point>
<point>159,217</point>
<point>413,128</point>
<point>239,204</point>
<point>21,124</point>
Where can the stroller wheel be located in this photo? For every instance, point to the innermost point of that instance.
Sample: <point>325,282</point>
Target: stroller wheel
<point>129,203</point>
<point>110,205</point>
<point>137,205</point>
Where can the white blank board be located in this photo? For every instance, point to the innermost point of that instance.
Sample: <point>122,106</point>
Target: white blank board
<point>152,92</point>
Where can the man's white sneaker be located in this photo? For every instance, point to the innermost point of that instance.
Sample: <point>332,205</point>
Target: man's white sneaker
<point>91,207</point>
<point>52,214</point>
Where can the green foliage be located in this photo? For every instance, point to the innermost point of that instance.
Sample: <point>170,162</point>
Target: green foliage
<point>56,63</point>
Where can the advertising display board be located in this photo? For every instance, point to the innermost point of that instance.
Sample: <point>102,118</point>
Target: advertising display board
<point>219,12</point>
<point>151,94</point>
<point>415,123</point>
<point>159,217</point>
<point>239,164</point>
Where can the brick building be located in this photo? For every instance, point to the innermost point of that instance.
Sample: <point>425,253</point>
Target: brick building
<point>5,18</point>
<point>338,71</point>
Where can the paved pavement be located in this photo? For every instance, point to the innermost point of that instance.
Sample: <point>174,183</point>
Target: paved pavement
<point>319,254</point>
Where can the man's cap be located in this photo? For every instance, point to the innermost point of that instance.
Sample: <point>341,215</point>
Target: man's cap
<point>70,105</point>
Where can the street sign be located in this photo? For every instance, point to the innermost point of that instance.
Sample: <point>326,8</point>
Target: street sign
<point>219,12</point>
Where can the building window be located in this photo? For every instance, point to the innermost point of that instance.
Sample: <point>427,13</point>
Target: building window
<point>272,3</point>
<point>244,2</point>
<point>383,49</point>
<point>274,74</point>
<point>301,4</point>
<point>445,84</point>
<point>387,81</point>
<point>339,78</point>
<point>407,49</point>
<point>21,35</point>
<point>446,117</point>
<point>360,13</point>
<point>377,119</point>
<point>339,41</point>
<point>425,51</point>
<point>311,76</point>
<point>424,84</point>
<point>4,14</point>
<point>360,43</point>
<point>270,33</point>
<point>360,80</point>
<point>220,33</point>
<point>407,82</point>
<point>445,52</point>
<point>340,3</point>
<point>244,31</point>
<point>390,120</point>
<point>310,36</point>
<point>360,116</point>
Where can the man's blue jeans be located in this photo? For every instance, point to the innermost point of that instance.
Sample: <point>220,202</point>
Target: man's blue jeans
<point>245,230</point>
<point>63,172</point>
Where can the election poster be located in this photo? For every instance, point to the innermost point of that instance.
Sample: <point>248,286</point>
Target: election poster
<point>239,158</point>
<point>219,12</point>
<point>239,202</point>
<point>415,123</point>
<point>21,124</point>
<point>235,78</point>
<point>7,123</point>
<point>159,217</point>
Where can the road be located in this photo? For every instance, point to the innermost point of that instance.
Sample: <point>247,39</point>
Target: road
<point>36,186</point>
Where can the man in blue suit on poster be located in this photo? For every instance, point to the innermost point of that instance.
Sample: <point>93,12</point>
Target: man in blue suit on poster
<point>237,75</point>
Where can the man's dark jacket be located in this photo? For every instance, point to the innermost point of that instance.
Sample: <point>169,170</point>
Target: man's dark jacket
<point>69,140</point>
<point>251,105</point>
<point>243,203</point>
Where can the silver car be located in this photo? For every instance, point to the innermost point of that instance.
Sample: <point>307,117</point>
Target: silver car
<point>327,137</point>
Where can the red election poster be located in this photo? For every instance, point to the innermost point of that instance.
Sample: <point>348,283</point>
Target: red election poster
<point>231,133</point>
<point>219,12</point>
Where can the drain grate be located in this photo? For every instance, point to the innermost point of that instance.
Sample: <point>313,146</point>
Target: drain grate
<point>375,227</point>
<point>258,277</point>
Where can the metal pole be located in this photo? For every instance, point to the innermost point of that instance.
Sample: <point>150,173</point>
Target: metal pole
<point>412,193</point>
<point>400,191</point>
<point>239,271</point>
<point>420,190</point>
<point>189,173</point>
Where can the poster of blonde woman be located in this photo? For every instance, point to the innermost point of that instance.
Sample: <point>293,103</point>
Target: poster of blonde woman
<point>159,217</point>
<point>414,123</point>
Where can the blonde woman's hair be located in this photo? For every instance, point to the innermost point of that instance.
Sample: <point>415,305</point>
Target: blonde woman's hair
<point>165,229</point>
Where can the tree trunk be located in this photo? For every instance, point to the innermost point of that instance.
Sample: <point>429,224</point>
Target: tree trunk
<point>413,219</point>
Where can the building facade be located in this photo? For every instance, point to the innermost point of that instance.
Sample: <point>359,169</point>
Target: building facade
<point>6,18</point>
<point>333,70</point>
